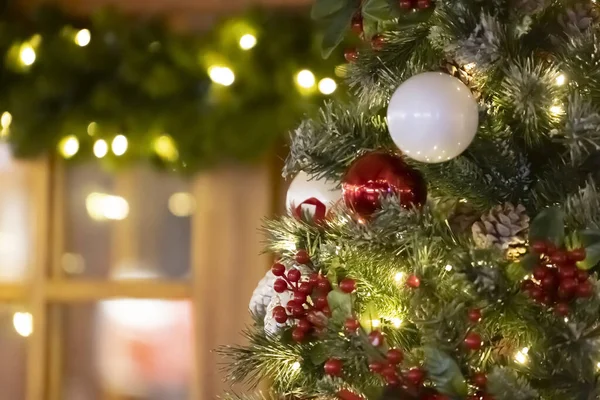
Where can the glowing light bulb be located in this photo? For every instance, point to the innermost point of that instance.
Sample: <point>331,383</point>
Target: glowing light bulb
<point>295,366</point>
<point>327,86</point>
<point>557,109</point>
<point>23,323</point>
<point>598,365</point>
<point>83,37</point>
<point>100,148</point>
<point>305,79</point>
<point>448,267</point>
<point>69,146</point>
<point>561,80</point>
<point>221,75</point>
<point>165,147</point>
<point>521,356</point>
<point>101,206</point>
<point>182,204</point>
<point>119,145</point>
<point>396,322</point>
<point>399,277</point>
<point>5,120</point>
<point>247,41</point>
<point>27,54</point>
<point>375,323</point>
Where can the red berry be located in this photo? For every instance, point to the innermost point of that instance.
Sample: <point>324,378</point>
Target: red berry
<point>562,309</point>
<point>395,356</point>
<point>327,311</point>
<point>473,341</point>
<point>278,310</point>
<point>582,275</point>
<point>547,299</point>
<point>585,289</point>
<point>298,335</point>
<point>475,315</point>
<point>302,257</point>
<point>540,272</point>
<point>392,380</point>
<point>291,304</point>
<point>320,302</point>
<point>280,285</point>
<point>348,285</point>
<point>549,282</point>
<point>351,55</point>
<point>479,379</point>
<point>577,254</point>
<point>352,324</point>
<point>357,24</point>
<point>527,285</point>
<point>413,281</point>
<point>405,4</point>
<point>376,366</point>
<point>536,293</point>
<point>280,318</point>
<point>323,285</point>
<point>423,4</point>
<point>313,279</point>
<point>388,370</point>
<point>294,275</point>
<point>559,257</point>
<point>566,271</point>
<point>568,285</point>
<point>377,42</point>
<point>278,269</point>
<point>550,248</point>
<point>297,311</point>
<point>305,288</point>
<point>333,367</point>
<point>376,338</point>
<point>299,297</point>
<point>539,247</point>
<point>304,324</point>
<point>416,376</point>
<point>565,295</point>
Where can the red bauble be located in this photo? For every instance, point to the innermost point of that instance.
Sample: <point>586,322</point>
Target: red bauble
<point>302,257</point>
<point>294,275</point>
<point>376,338</point>
<point>423,4</point>
<point>577,254</point>
<point>377,42</point>
<point>416,376</point>
<point>348,285</point>
<point>585,289</point>
<point>413,281</point>
<point>539,247</point>
<point>405,4</point>
<point>278,269</point>
<point>395,356</point>
<point>381,173</point>
<point>333,367</point>
<point>562,309</point>
<point>351,55</point>
<point>357,24</point>
<point>280,285</point>
<point>475,315</point>
<point>352,324</point>
<point>473,341</point>
<point>298,334</point>
<point>479,379</point>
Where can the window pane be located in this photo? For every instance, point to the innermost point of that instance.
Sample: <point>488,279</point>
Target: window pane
<point>138,219</point>
<point>131,349</point>
<point>13,350</point>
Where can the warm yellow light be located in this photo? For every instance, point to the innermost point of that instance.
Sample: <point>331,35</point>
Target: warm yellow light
<point>327,86</point>
<point>396,322</point>
<point>598,365</point>
<point>100,148</point>
<point>557,109</point>
<point>561,80</point>
<point>221,75</point>
<point>69,146</point>
<point>101,206</point>
<point>83,37</point>
<point>165,147</point>
<point>5,120</point>
<point>23,323</point>
<point>119,145</point>
<point>305,79</point>
<point>182,204</point>
<point>27,54</point>
<point>399,277</point>
<point>247,41</point>
<point>375,323</point>
<point>521,356</point>
<point>295,366</point>
<point>92,128</point>
<point>448,267</point>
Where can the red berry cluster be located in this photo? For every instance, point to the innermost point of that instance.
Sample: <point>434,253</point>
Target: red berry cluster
<point>479,380</point>
<point>556,278</point>
<point>414,4</point>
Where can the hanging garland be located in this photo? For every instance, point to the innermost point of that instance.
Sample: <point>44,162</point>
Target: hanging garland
<point>122,89</point>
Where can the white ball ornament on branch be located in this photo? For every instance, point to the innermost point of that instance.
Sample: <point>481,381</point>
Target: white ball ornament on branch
<point>312,197</point>
<point>432,117</point>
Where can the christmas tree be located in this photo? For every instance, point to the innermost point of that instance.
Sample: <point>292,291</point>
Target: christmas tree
<point>444,224</point>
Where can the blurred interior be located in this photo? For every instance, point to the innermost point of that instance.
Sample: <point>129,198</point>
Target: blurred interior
<point>71,236</point>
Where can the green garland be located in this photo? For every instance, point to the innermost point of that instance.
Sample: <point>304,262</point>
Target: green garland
<point>75,85</point>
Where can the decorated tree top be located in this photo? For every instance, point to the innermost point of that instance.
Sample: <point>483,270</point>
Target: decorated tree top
<point>459,261</point>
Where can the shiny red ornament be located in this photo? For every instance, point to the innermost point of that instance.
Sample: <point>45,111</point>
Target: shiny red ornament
<point>280,285</point>
<point>302,257</point>
<point>381,173</point>
<point>475,315</point>
<point>376,338</point>
<point>423,4</point>
<point>333,367</point>
<point>348,285</point>
<point>416,376</point>
<point>395,356</point>
<point>278,269</point>
<point>413,282</point>
<point>473,341</point>
<point>351,55</point>
<point>479,379</point>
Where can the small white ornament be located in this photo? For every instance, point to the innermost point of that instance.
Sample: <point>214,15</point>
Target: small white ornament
<point>303,188</point>
<point>261,297</point>
<point>432,117</point>
<point>273,327</point>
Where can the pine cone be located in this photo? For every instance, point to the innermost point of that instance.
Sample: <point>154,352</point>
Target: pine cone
<point>504,227</point>
<point>462,218</point>
<point>464,73</point>
<point>261,297</point>
<point>580,17</point>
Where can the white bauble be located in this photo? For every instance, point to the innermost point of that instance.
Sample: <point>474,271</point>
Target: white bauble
<point>261,297</point>
<point>303,188</point>
<point>273,327</point>
<point>432,117</point>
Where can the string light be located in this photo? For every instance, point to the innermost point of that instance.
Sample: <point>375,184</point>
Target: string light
<point>295,366</point>
<point>375,323</point>
<point>23,323</point>
<point>83,37</point>
<point>69,146</point>
<point>221,75</point>
<point>165,147</point>
<point>557,109</point>
<point>247,41</point>
<point>521,356</point>
<point>5,120</point>
<point>182,204</point>
<point>305,79</point>
<point>27,54</point>
<point>399,277</point>
<point>119,145</point>
<point>101,206</point>
<point>327,86</point>
<point>396,322</point>
<point>448,267</point>
<point>561,80</point>
<point>598,365</point>
<point>100,148</point>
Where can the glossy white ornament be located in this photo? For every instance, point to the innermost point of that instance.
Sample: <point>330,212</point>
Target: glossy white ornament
<point>432,117</point>
<point>303,188</point>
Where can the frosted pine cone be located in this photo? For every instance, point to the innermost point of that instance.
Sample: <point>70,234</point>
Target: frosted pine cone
<point>579,18</point>
<point>261,297</point>
<point>273,327</point>
<point>504,227</point>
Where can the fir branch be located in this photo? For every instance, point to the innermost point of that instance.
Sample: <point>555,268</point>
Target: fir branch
<point>582,209</point>
<point>505,384</point>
